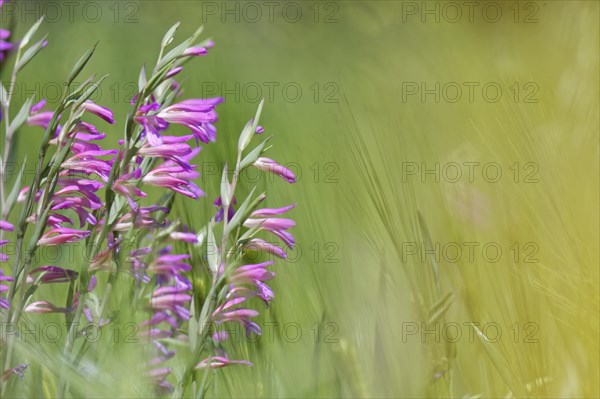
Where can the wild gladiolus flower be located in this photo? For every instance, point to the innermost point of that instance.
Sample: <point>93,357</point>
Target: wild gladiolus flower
<point>277,226</point>
<point>195,51</point>
<point>126,185</point>
<point>51,274</point>
<point>44,307</point>
<point>6,226</point>
<point>198,115</point>
<point>175,177</point>
<point>59,236</point>
<point>268,165</point>
<point>89,162</point>
<point>240,315</point>
<point>260,245</point>
<point>249,274</point>
<point>255,275</point>
<point>190,238</point>
<point>99,111</point>
<point>169,265</point>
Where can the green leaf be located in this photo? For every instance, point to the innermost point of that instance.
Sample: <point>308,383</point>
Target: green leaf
<point>25,41</point>
<point>81,64</point>
<point>250,233</point>
<point>254,154</point>
<point>168,38</point>
<point>30,53</point>
<point>176,52</point>
<point>250,129</point>
<point>257,116</point>
<point>243,211</point>
<point>225,188</point>
<point>11,200</point>
<point>88,92</point>
<point>21,117</point>
<point>77,92</point>
<point>142,79</point>
<point>245,136</point>
<point>212,251</point>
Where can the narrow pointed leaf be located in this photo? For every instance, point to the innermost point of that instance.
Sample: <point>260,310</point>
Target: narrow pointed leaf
<point>168,38</point>
<point>21,117</point>
<point>30,53</point>
<point>25,41</point>
<point>212,251</point>
<point>247,206</point>
<point>81,64</point>
<point>254,154</point>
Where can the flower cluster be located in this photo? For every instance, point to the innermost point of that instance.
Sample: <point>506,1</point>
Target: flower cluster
<point>84,192</point>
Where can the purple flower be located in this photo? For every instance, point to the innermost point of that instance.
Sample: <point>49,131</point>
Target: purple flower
<point>126,185</point>
<point>268,165</point>
<point>195,51</point>
<point>51,274</point>
<point>174,72</point>
<point>257,244</point>
<point>44,307</point>
<point>249,274</point>
<point>89,162</point>
<point>190,238</point>
<point>99,111</point>
<point>169,265</point>
<point>6,226</point>
<point>266,212</point>
<point>198,115</point>
<point>59,236</point>
<point>176,176</point>
<point>255,275</point>
<point>223,314</point>
<point>276,226</point>
<point>166,150</point>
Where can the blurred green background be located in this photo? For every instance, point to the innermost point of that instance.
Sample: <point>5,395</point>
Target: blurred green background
<point>361,98</point>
